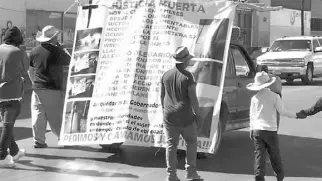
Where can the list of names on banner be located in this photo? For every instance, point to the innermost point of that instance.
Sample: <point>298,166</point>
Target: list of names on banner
<point>132,73</point>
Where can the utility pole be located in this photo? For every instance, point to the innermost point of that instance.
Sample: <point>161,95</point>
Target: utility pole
<point>302,17</point>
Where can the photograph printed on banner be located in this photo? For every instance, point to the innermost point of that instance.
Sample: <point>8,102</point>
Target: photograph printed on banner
<point>76,117</point>
<point>207,67</point>
<point>81,86</point>
<point>88,39</point>
<point>84,63</point>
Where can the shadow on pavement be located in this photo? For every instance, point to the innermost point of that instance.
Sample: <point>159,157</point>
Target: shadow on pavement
<point>93,173</point>
<point>21,133</point>
<point>301,156</point>
<point>81,148</point>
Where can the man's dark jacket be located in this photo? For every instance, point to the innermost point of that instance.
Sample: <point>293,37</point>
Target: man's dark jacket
<point>317,107</point>
<point>48,62</point>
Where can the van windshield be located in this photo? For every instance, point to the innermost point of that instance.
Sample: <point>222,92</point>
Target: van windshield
<point>291,45</point>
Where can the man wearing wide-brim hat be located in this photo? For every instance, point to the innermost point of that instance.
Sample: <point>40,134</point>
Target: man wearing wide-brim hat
<point>47,60</point>
<point>263,125</point>
<point>180,114</point>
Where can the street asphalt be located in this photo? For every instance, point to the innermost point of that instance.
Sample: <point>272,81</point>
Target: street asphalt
<point>300,143</point>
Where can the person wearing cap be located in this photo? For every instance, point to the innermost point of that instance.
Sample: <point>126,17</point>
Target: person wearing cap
<point>13,69</point>
<point>181,114</point>
<point>47,60</point>
<point>263,125</point>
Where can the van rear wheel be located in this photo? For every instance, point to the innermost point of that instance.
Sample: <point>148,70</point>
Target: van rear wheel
<point>218,135</point>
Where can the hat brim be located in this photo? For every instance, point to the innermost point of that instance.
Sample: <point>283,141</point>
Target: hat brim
<point>42,38</point>
<point>182,60</point>
<point>256,87</point>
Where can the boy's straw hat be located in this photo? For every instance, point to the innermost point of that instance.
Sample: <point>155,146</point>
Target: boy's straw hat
<point>261,81</point>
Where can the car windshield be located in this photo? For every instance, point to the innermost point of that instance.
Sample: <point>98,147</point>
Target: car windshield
<point>291,45</point>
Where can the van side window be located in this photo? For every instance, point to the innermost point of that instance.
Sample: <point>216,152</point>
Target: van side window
<point>241,65</point>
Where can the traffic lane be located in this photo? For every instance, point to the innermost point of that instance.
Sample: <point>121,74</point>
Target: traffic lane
<point>295,98</point>
<point>300,146</point>
<point>300,139</point>
<point>301,157</point>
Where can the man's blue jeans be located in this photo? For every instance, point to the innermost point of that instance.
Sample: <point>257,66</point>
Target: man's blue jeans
<point>9,112</point>
<point>172,134</point>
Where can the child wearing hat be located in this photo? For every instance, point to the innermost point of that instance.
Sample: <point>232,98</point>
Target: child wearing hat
<point>263,125</point>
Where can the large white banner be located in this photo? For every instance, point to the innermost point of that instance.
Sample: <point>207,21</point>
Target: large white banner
<point>122,49</point>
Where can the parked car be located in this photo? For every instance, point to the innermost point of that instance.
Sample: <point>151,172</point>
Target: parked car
<point>234,113</point>
<point>294,57</point>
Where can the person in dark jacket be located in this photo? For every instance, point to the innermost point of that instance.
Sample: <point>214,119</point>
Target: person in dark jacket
<point>48,60</point>
<point>13,69</point>
<point>317,107</point>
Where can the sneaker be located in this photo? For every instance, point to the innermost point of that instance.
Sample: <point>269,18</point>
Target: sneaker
<point>20,154</point>
<point>40,145</point>
<point>191,175</point>
<point>7,162</point>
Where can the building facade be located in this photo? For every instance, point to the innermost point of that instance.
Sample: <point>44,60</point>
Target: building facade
<point>261,29</point>
<point>258,29</point>
<point>316,19</point>
<point>32,15</point>
<point>266,27</point>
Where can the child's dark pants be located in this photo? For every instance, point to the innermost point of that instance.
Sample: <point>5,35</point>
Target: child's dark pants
<point>267,141</point>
